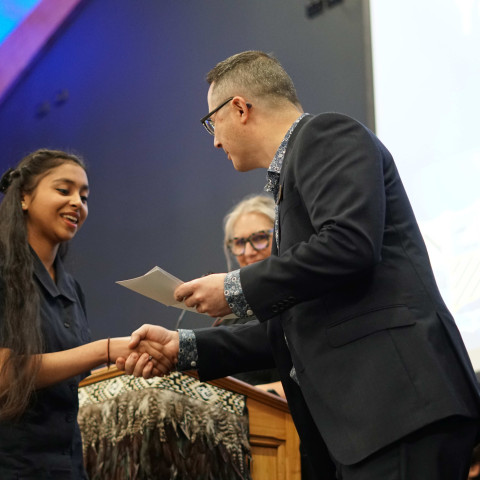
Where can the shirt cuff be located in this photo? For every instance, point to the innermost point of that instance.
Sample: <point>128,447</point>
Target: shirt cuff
<point>187,351</point>
<point>234,295</point>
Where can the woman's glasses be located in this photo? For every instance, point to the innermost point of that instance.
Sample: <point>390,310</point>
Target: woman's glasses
<point>258,240</point>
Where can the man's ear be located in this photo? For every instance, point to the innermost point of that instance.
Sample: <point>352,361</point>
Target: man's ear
<point>242,108</point>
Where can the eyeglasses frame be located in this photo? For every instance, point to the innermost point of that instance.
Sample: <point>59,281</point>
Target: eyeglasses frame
<point>269,234</point>
<point>204,119</point>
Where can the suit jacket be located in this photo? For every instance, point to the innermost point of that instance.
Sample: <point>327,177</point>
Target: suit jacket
<point>350,300</point>
<point>254,377</point>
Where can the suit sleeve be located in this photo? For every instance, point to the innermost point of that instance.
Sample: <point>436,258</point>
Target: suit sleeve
<point>226,350</point>
<point>332,216</point>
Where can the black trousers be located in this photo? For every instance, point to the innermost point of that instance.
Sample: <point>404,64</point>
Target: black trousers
<point>440,451</point>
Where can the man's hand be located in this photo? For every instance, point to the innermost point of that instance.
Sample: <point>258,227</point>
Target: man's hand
<point>205,294</point>
<point>164,361</point>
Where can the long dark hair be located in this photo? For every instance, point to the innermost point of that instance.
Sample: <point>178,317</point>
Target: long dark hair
<point>20,334</point>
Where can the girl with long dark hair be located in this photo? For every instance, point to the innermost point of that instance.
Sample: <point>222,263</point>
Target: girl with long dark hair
<point>45,347</point>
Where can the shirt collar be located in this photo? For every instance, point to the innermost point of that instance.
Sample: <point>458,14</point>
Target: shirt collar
<point>273,172</point>
<point>61,287</point>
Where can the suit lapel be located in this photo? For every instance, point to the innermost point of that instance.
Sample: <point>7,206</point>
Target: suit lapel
<point>281,181</point>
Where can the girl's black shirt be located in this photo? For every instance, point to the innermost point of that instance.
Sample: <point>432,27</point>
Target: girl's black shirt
<point>45,443</point>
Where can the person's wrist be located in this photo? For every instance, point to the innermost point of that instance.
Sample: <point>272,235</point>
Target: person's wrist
<point>108,353</point>
<point>119,348</point>
<point>176,340</point>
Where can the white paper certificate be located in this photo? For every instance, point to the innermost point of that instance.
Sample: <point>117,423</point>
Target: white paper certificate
<point>158,285</point>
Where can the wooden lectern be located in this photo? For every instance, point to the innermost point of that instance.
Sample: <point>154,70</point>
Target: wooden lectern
<point>273,438</point>
<point>273,441</point>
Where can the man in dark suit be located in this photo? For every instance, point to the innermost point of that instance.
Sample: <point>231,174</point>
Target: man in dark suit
<point>378,380</point>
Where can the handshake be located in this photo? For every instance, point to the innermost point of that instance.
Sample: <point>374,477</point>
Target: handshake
<point>154,352</point>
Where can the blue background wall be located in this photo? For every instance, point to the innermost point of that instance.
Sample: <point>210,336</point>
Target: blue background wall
<point>134,71</point>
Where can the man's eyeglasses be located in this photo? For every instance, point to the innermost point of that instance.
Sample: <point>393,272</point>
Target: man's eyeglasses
<point>258,240</point>
<point>207,121</point>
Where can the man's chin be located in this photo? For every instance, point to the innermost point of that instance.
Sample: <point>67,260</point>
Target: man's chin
<point>240,167</point>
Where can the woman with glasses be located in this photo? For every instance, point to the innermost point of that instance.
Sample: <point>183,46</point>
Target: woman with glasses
<point>248,239</point>
<point>248,231</point>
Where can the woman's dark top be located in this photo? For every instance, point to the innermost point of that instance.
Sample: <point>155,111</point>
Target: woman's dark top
<point>45,443</point>
<point>257,377</point>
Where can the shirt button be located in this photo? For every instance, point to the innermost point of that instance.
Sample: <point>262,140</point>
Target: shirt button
<point>193,364</point>
<point>249,312</point>
<point>69,417</point>
<point>66,324</point>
